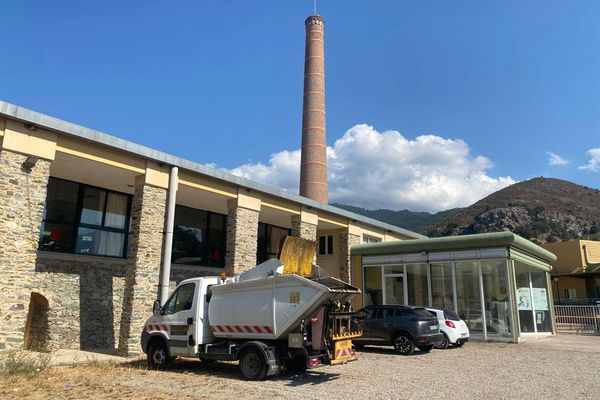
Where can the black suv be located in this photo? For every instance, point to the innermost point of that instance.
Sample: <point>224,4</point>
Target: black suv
<point>404,327</point>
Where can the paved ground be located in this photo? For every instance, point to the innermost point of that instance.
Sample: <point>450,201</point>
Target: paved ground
<point>565,367</point>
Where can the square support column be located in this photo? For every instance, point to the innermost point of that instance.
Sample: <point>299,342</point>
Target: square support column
<point>22,199</point>
<point>144,261</point>
<point>242,233</point>
<point>305,225</point>
<point>347,240</point>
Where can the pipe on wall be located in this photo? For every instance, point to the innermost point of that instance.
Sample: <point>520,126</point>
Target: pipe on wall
<point>168,243</point>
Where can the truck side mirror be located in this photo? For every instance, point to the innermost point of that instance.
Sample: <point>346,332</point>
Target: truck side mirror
<point>156,308</point>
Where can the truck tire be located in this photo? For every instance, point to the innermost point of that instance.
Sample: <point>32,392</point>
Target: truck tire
<point>404,344</point>
<point>253,365</point>
<point>158,355</point>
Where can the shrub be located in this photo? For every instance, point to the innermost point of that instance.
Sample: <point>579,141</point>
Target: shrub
<point>22,363</point>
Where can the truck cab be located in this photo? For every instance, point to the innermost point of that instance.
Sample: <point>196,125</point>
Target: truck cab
<point>180,326</point>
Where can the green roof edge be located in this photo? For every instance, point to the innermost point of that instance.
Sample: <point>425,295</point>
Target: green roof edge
<point>462,242</point>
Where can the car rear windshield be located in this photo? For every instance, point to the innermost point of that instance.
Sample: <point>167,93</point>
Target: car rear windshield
<point>451,315</point>
<point>422,313</point>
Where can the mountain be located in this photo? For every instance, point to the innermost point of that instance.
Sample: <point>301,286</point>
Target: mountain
<point>540,209</point>
<point>411,220</point>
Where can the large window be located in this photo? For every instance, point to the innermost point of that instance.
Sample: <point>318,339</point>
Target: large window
<point>199,237</point>
<point>442,293</point>
<point>84,219</point>
<point>416,278</point>
<point>269,240</point>
<point>495,297</point>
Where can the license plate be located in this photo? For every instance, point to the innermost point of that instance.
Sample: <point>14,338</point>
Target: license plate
<point>433,327</point>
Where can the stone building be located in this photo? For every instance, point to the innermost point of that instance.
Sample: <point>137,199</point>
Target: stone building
<point>82,222</point>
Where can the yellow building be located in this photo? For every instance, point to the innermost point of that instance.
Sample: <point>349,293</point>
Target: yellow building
<point>84,241</point>
<point>576,273</point>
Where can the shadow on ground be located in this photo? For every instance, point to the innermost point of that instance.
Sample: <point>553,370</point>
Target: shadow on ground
<point>230,370</point>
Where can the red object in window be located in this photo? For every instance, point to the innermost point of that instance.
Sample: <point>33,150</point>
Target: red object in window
<point>55,235</point>
<point>216,255</point>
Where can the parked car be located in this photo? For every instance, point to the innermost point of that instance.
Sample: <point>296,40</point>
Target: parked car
<point>453,328</point>
<point>404,327</point>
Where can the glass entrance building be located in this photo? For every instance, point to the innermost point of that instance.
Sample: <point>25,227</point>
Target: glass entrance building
<point>498,282</point>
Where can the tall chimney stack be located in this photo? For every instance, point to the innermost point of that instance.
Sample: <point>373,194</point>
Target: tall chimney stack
<point>313,164</point>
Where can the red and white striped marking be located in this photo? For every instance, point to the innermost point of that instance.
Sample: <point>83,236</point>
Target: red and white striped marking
<point>160,328</point>
<point>344,353</point>
<point>241,329</point>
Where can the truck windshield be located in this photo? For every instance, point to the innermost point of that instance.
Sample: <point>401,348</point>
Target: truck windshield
<point>181,300</point>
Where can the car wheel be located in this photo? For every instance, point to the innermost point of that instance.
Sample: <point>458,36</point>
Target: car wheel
<point>404,344</point>
<point>458,344</point>
<point>158,356</point>
<point>252,365</point>
<point>425,349</point>
<point>443,344</point>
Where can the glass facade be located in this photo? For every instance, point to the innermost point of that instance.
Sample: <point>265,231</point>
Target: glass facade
<point>84,219</point>
<point>269,239</point>
<point>199,238</point>
<point>480,291</point>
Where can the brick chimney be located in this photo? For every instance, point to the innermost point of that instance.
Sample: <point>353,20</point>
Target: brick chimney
<point>313,164</point>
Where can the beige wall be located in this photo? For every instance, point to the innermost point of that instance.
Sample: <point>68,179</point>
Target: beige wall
<point>570,255</point>
<point>357,280</point>
<point>330,262</point>
<point>568,282</point>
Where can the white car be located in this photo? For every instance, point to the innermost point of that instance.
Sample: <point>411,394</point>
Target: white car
<point>455,330</point>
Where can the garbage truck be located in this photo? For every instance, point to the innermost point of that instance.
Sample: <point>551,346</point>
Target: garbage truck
<point>284,314</point>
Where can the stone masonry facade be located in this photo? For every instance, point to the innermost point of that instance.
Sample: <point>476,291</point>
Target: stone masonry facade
<point>85,296</point>
<point>22,198</point>
<point>242,237</point>
<point>347,240</point>
<point>303,230</point>
<point>148,220</point>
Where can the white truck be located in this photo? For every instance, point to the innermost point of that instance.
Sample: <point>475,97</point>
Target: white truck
<point>269,318</point>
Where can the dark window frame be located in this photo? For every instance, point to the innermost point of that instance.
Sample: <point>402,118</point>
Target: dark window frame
<point>262,253</point>
<point>78,224</point>
<point>205,248</point>
<point>326,250</point>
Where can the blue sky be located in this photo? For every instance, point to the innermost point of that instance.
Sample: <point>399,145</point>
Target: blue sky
<point>496,85</point>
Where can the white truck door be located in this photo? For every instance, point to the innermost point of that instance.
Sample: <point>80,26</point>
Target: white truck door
<point>180,316</point>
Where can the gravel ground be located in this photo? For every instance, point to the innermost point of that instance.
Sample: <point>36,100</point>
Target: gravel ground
<point>476,371</point>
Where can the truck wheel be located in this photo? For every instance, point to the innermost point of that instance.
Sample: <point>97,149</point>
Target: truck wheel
<point>253,365</point>
<point>158,356</point>
<point>443,344</point>
<point>404,344</point>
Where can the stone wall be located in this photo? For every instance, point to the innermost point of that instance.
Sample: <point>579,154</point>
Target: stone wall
<point>347,240</point>
<point>303,230</point>
<point>242,237</point>
<point>22,197</point>
<point>85,296</point>
<point>142,278</point>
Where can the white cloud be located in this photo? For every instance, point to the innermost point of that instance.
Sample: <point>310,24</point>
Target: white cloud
<point>385,170</point>
<point>593,164</point>
<point>556,160</point>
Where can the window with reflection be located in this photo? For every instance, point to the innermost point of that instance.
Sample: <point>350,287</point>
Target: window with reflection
<point>83,219</point>
<point>468,296</point>
<point>199,237</point>
<point>269,239</point>
<point>441,286</point>
<point>495,298</point>
<point>373,286</point>
<point>418,292</point>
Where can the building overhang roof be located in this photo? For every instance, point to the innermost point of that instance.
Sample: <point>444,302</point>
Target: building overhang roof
<point>450,243</point>
<point>24,115</point>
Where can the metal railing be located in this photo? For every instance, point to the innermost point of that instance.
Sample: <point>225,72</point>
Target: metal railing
<point>578,319</point>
